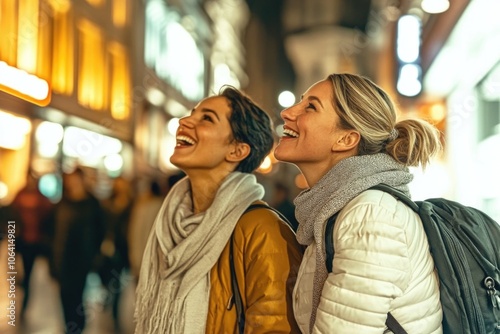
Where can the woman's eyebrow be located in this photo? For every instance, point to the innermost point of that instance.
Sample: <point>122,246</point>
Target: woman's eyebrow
<point>314,98</point>
<point>211,111</point>
<point>206,110</point>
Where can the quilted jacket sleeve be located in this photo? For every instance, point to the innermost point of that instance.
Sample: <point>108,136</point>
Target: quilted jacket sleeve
<point>371,267</point>
<point>271,257</point>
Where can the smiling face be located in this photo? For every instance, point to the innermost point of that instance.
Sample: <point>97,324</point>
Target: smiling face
<point>311,137</point>
<point>204,138</point>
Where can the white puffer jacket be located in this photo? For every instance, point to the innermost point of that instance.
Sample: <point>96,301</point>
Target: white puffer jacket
<point>382,264</point>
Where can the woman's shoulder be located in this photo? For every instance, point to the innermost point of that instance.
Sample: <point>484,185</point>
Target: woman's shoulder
<point>259,215</point>
<point>262,231</point>
<point>373,207</point>
<point>262,221</point>
<point>378,201</point>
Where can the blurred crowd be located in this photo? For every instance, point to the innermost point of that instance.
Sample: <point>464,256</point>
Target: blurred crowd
<point>80,234</point>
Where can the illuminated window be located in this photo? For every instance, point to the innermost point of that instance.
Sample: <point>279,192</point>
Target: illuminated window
<point>8,27</point>
<point>63,54</point>
<point>96,3</point>
<point>44,42</point>
<point>120,82</point>
<point>119,13</point>
<point>182,62</point>
<point>27,44</point>
<point>173,52</point>
<point>38,39</point>
<point>92,69</point>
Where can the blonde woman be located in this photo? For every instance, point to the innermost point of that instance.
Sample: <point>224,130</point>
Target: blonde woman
<point>344,137</point>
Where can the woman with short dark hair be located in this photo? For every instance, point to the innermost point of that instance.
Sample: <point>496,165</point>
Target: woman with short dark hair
<point>185,279</point>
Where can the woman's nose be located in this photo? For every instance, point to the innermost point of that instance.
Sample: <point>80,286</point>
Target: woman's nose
<point>185,122</point>
<point>289,113</point>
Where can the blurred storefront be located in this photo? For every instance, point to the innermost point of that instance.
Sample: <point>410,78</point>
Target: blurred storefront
<point>15,146</point>
<point>83,57</point>
<point>117,75</point>
<point>465,75</point>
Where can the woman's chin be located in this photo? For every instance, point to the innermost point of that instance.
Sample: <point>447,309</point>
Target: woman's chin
<point>281,154</point>
<point>176,161</point>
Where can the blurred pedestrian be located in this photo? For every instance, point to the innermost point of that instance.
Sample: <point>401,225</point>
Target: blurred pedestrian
<point>7,213</point>
<point>143,215</point>
<point>78,232</point>
<point>142,218</point>
<point>33,210</point>
<point>114,248</point>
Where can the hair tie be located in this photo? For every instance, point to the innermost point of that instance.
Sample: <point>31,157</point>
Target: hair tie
<point>394,134</point>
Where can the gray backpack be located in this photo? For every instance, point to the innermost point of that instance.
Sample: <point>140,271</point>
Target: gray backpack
<point>465,245</point>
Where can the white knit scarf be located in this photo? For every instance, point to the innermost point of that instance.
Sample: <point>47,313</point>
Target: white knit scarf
<point>336,188</point>
<point>173,291</point>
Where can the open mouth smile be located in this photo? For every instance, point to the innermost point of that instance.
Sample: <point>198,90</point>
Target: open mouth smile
<point>289,133</point>
<point>184,141</point>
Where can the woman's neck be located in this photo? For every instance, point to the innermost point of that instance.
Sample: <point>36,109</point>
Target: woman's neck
<point>204,186</point>
<point>314,171</point>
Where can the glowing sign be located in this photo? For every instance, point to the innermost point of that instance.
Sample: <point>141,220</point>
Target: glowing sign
<point>408,53</point>
<point>26,86</point>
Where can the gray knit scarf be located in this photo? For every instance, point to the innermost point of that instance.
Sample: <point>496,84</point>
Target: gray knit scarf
<point>336,188</point>
<point>173,291</point>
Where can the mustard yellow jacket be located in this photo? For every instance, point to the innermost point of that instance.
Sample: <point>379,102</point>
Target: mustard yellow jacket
<point>266,259</point>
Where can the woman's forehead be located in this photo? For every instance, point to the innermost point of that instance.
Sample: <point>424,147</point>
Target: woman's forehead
<point>321,89</point>
<point>219,104</point>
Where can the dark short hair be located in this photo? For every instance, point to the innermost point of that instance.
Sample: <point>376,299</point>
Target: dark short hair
<point>251,125</point>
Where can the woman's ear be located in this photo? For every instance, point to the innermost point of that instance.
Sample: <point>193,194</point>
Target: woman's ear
<point>347,141</point>
<point>239,151</point>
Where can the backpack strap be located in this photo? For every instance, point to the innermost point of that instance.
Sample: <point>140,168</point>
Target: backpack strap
<point>329,241</point>
<point>265,206</point>
<point>236,291</point>
<point>390,322</point>
<point>394,325</point>
<point>234,281</point>
<point>399,195</point>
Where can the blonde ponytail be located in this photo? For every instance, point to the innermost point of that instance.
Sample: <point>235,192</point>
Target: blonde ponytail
<point>416,143</point>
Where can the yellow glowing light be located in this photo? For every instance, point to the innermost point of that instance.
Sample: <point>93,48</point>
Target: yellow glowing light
<point>63,56</point>
<point>438,112</point>
<point>24,85</point>
<point>120,82</point>
<point>301,182</point>
<point>13,131</point>
<point>119,13</point>
<point>96,2</point>
<point>4,190</point>
<point>93,78</point>
<point>61,6</point>
<point>27,35</point>
<point>266,166</point>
